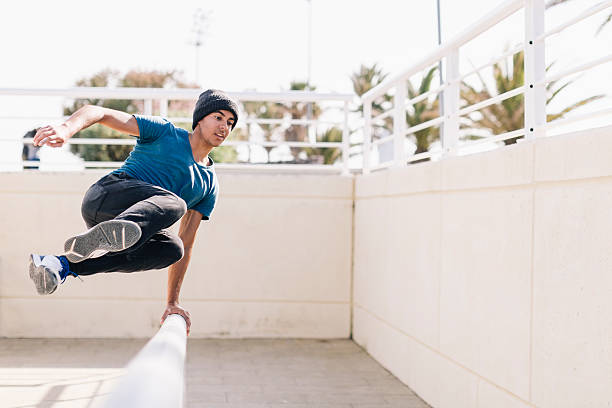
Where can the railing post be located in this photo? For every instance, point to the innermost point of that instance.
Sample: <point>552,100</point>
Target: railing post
<point>399,125</point>
<point>148,107</point>
<point>155,377</point>
<point>163,108</point>
<point>535,70</point>
<point>346,143</point>
<point>450,131</point>
<point>367,135</point>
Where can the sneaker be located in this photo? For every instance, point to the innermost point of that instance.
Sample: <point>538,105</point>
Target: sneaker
<point>107,236</point>
<point>47,272</point>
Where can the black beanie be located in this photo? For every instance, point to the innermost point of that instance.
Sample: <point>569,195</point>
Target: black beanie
<point>213,100</point>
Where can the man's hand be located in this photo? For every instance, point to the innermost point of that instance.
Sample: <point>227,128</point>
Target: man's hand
<point>54,136</point>
<point>176,309</point>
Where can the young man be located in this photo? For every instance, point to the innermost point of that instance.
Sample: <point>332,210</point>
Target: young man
<point>168,176</point>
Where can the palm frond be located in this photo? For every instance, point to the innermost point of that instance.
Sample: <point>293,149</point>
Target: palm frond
<point>572,107</point>
<point>606,21</point>
<point>562,87</point>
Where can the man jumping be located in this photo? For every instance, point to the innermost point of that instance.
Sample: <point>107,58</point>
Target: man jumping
<point>168,176</point>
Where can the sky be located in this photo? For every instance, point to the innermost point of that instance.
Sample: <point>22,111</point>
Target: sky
<point>263,45</point>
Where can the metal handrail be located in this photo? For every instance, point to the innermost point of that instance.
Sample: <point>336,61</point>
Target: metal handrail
<point>499,14</point>
<point>576,69</point>
<point>534,89</point>
<point>163,96</point>
<point>155,377</point>
<point>187,94</point>
<point>491,101</point>
<point>593,10</point>
<point>132,142</point>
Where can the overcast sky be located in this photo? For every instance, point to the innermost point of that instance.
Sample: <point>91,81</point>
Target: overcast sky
<point>263,44</point>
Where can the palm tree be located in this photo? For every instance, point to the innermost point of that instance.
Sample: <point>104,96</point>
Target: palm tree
<point>422,112</point>
<point>261,110</point>
<point>133,78</point>
<point>327,155</point>
<point>298,110</point>
<point>367,78</point>
<point>509,114</point>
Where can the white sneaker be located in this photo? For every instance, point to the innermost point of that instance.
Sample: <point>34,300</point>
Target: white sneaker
<point>45,272</point>
<point>107,236</point>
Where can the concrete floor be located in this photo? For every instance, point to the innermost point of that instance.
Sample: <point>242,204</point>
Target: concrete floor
<point>255,373</point>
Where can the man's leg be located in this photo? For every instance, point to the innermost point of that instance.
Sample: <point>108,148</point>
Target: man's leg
<point>131,201</point>
<point>161,251</point>
<point>124,213</point>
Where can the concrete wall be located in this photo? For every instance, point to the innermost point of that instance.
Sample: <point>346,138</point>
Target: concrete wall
<point>480,281</point>
<point>486,280</point>
<point>274,261</point>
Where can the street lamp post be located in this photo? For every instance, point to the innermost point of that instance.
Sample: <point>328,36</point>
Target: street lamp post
<point>199,18</point>
<point>441,93</point>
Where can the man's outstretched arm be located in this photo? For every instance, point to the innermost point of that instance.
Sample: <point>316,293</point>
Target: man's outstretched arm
<point>56,136</point>
<point>187,232</point>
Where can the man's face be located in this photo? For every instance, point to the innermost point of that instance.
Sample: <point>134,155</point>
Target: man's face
<point>215,127</point>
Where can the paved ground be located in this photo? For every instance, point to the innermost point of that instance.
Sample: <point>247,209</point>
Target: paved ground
<point>219,374</point>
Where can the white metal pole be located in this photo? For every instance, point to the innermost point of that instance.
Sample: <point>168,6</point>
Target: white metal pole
<point>163,108</point>
<point>535,70</point>
<point>345,141</point>
<point>440,75</point>
<point>399,125</point>
<point>155,377</point>
<point>148,106</point>
<point>450,127</point>
<point>367,135</point>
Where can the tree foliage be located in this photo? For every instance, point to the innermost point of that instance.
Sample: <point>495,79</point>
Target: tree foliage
<point>136,79</point>
<point>282,112</point>
<point>509,114</point>
<point>368,77</point>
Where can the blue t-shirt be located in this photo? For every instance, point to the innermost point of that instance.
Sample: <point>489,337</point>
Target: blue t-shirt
<point>163,157</point>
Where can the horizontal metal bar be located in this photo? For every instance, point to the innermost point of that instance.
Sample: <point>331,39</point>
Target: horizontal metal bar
<point>496,138</point>
<point>424,125</point>
<point>419,156</point>
<point>483,24</point>
<point>425,95</point>
<point>173,94</point>
<point>276,144</point>
<point>155,377</point>
<point>589,12</point>
<point>315,168</point>
<point>318,168</point>
<point>578,118</point>
<point>491,101</point>
<point>87,164</point>
<point>127,142</point>
<point>383,115</point>
<point>313,122</point>
<point>178,119</point>
<point>577,69</point>
<point>383,140</point>
<point>83,141</point>
<point>495,60</point>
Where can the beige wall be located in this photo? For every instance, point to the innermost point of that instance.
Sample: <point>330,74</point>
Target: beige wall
<point>485,280</point>
<point>274,261</point>
<point>480,281</point>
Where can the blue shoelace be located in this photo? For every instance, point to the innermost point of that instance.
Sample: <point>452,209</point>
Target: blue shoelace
<point>66,269</point>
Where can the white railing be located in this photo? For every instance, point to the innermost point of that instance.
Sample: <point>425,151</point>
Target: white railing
<point>155,377</point>
<point>335,106</point>
<point>447,55</point>
<point>534,89</point>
